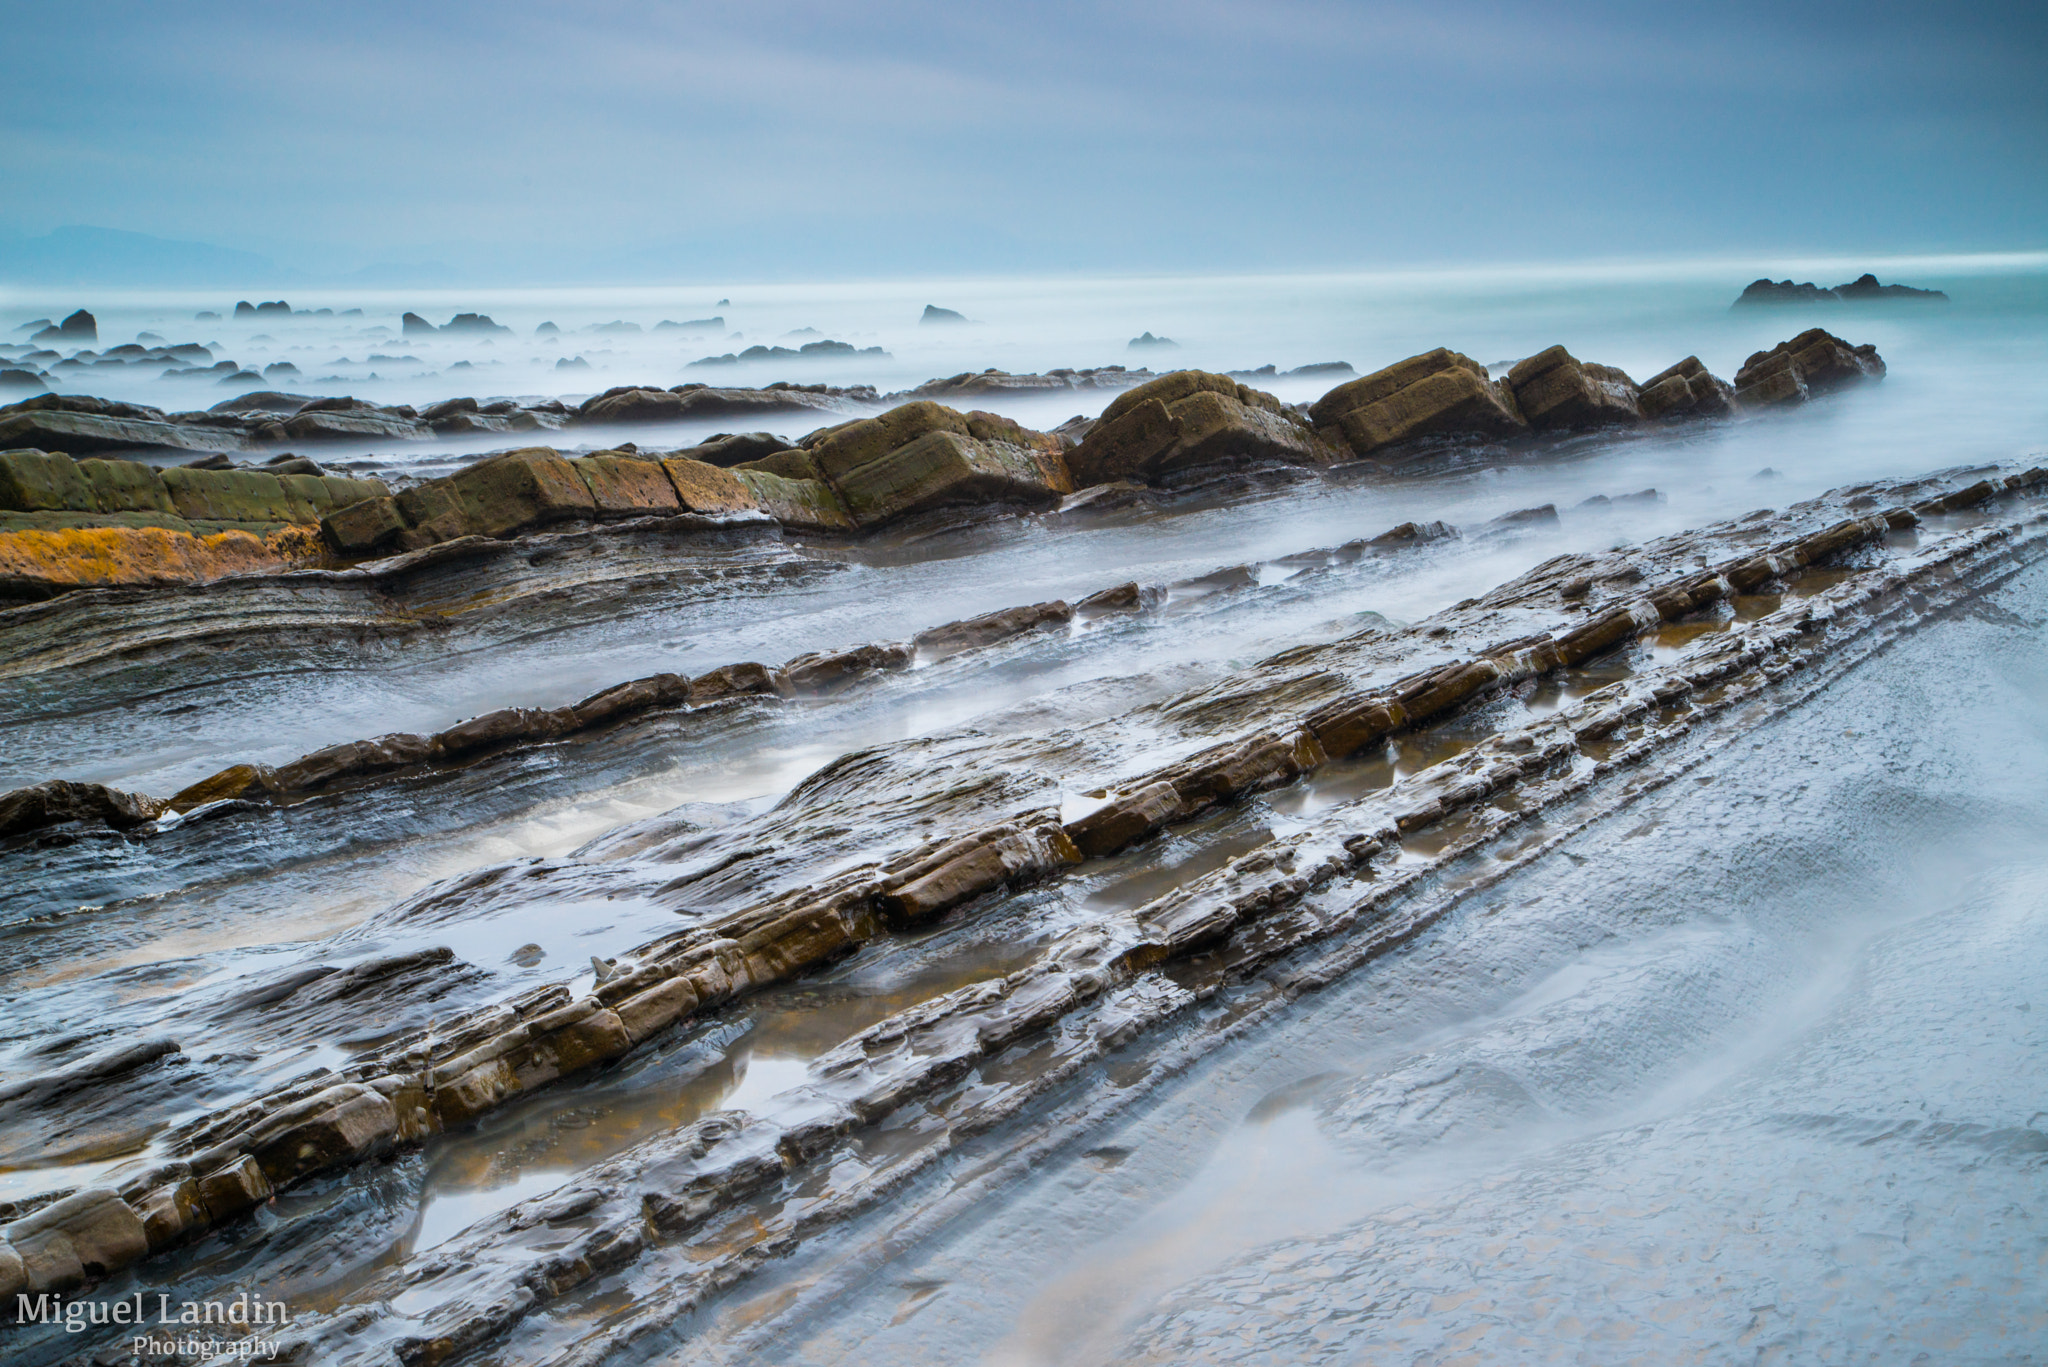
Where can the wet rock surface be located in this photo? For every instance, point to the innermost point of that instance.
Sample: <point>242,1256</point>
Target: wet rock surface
<point>994,833</point>
<point>959,919</point>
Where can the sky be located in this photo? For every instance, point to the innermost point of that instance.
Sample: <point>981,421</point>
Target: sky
<point>626,141</point>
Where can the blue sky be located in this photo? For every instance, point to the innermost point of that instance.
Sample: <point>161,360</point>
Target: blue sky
<point>792,139</point>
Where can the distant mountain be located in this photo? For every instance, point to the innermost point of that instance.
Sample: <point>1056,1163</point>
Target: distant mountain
<point>82,255</point>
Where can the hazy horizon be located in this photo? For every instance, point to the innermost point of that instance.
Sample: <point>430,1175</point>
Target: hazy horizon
<point>632,142</point>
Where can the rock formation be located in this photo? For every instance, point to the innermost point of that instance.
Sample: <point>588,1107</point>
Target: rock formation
<point>1814,362</point>
<point>1863,289</point>
<point>1439,394</point>
<point>1193,419</point>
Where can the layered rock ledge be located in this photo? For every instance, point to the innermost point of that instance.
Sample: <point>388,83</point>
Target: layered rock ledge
<point>916,461</point>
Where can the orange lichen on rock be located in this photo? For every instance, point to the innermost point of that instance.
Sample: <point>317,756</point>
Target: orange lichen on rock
<point>108,557</point>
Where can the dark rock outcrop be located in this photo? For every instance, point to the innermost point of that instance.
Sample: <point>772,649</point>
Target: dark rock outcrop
<point>1863,289</point>
<point>1815,362</point>
<point>48,804</point>
<point>934,314</point>
<point>809,351</point>
<point>1440,394</point>
<point>79,327</point>
<point>1146,341</point>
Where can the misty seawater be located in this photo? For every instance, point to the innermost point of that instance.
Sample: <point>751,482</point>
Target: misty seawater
<point>1963,389</point>
<point>1750,1071</point>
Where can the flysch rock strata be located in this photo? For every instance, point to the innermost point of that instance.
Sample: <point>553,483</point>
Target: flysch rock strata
<point>919,459</point>
<point>218,1168</point>
<point>690,1213</point>
<point>392,755</point>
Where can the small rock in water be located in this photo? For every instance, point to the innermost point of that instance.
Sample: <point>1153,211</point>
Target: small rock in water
<point>1148,340</point>
<point>934,314</point>
<point>1766,473</point>
<point>526,956</point>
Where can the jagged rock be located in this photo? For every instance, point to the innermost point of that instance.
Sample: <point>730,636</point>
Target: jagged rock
<point>924,455</point>
<point>829,671</point>
<point>1440,393</point>
<point>1686,390</point>
<point>637,695</point>
<point>1121,598</point>
<point>1556,391</point>
<point>735,680</point>
<point>412,325</point>
<point>1147,342</point>
<point>1814,362</point>
<point>346,760</point>
<point>934,314</point>
<point>1190,419</point>
<point>60,800</point>
<point>502,727</point>
<point>244,782</point>
<point>995,626</point>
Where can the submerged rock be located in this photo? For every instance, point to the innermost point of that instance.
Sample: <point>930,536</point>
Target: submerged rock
<point>980,384</point>
<point>1814,362</point>
<point>79,327</point>
<point>640,404</point>
<point>1188,420</point>
<point>1439,394</point>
